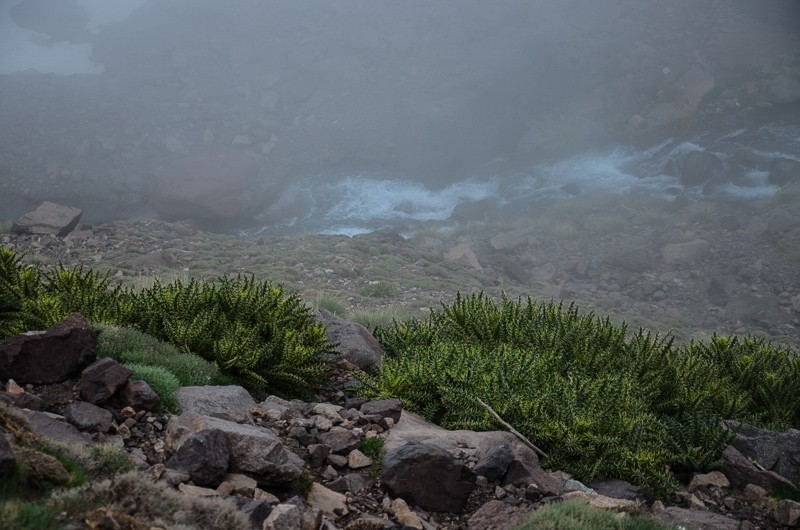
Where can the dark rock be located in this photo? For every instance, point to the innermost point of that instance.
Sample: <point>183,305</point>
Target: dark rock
<point>494,463</point>
<point>48,218</point>
<point>337,460</point>
<point>7,458</point>
<point>49,357</point>
<point>618,489</point>
<point>741,472</point>
<point>24,400</point>
<point>699,167</point>
<point>775,451</point>
<point>138,395</point>
<point>340,440</point>
<point>317,454</point>
<point>376,411</point>
<point>101,380</point>
<point>88,417</point>
<point>497,515</point>
<point>353,341</point>
<point>257,510</point>
<point>428,477</point>
<point>254,451</point>
<point>229,402</point>
<point>782,171</point>
<point>204,456</point>
<point>352,482</point>
<point>516,271</point>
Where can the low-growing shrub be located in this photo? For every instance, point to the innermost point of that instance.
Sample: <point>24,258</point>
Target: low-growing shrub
<point>162,381</point>
<point>598,401</point>
<point>378,290</point>
<point>573,515</point>
<point>128,345</point>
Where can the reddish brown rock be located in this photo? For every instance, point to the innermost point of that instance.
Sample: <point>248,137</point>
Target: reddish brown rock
<point>51,356</point>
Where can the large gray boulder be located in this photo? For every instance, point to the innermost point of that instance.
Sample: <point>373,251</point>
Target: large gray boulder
<point>228,402</point>
<point>427,476</point>
<point>49,218</point>
<point>353,341</point>
<point>254,451</point>
<point>741,472</point>
<point>51,356</point>
<point>774,451</point>
<point>523,470</point>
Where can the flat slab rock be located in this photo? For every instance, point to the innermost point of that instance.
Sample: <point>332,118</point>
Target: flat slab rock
<point>48,218</point>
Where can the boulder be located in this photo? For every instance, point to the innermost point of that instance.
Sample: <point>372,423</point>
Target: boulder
<point>781,223</point>
<point>138,395</point>
<point>603,502</point>
<point>228,402</point>
<point>462,253</point>
<point>694,84</point>
<point>774,451</point>
<point>721,289</point>
<point>253,451</point>
<point>49,218</point>
<point>512,239</point>
<point>47,426</point>
<point>377,411</point>
<point>494,462</point>
<point>101,380</point>
<point>284,517</point>
<point>782,171</point>
<point>51,356</point>
<point>618,489</point>
<point>214,187</point>
<point>353,341</point>
<point>427,476</point>
<point>340,440</point>
<point>88,417</point>
<point>741,472</point>
<point>331,503</point>
<point>524,469</point>
<point>204,456</point>
<point>787,512</point>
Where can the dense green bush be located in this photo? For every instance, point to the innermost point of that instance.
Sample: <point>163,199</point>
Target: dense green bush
<point>600,402</point>
<point>128,345</point>
<point>251,330</point>
<point>574,515</point>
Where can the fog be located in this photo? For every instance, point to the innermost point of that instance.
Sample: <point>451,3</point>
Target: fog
<point>349,116</point>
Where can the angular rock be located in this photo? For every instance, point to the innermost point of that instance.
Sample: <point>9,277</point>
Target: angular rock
<point>498,515</point>
<point>369,522</point>
<point>428,477</point>
<point>788,512</point>
<point>137,395</point>
<point>88,417</point>
<point>713,479</point>
<point>41,467</point>
<point>256,509</point>
<point>378,411</point>
<point>101,380</point>
<point>352,482</point>
<point>694,84</point>
<point>618,489</point>
<point>721,289</point>
<point>48,218</point>
<point>523,470</point>
<point>406,515</point>
<point>775,451</point>
<point>197,491</point>
<point>49,357</point>
<point>227,402</point>
<point>695,519</point>
<point>284,517</point>
<point>356,459</point>
<point>318,453</point>
<point>7,458</point>
<point>513,239</point>
<point>494,463</point>
<point>253,450</point>
<point>204,456</point>
<point>353,341</point>
<point>241,484</point>
<point>463,254</point>
<point>44,425</point>
<point>741,472</point>
<point>340,440</point>
<point>332,504</point>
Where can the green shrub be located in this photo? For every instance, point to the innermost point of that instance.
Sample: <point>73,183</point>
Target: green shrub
<point>577,515</point>
<point>376,317</point>
<point>162,381</point>
<point>598,401</point>
<point>128,345</point>
<point>251,330</point>
<point>329,302</point>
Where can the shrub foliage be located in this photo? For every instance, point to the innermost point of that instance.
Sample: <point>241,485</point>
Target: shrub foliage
<point>601,402</point>
<point>249,329</point>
